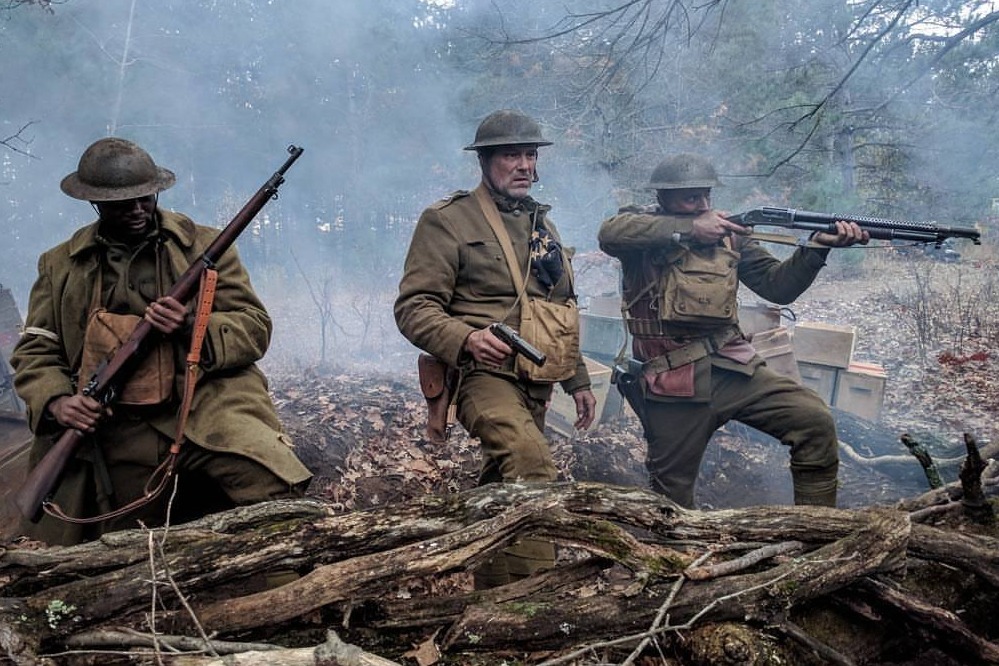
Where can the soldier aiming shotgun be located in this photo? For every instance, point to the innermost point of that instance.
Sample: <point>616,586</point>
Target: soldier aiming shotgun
<point>108,325</point>
<point>691,368</point>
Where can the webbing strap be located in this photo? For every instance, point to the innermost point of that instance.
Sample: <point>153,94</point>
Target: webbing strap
<point>491,212</point>
<point>783,239</point>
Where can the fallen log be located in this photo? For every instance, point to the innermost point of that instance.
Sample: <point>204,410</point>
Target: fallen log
<point>334,651</point>
<point>636,568</point>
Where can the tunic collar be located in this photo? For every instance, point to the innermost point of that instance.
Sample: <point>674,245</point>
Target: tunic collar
<point>172,225</point>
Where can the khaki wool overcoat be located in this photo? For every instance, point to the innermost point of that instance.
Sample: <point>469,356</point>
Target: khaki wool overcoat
<point>231,410</point>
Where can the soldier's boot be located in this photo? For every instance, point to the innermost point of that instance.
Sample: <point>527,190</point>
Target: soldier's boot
<point>491,573</point>
<point>528,556</point>
<point>815,489</point>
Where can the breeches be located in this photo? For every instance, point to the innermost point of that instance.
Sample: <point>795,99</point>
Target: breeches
<point>509,423</point>
<point>678,433</point>
<point>510,426</point>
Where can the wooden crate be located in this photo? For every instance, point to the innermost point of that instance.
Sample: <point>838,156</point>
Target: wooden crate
<point>824,344</point>
<point>860,390</point>
<point>757,317</point>
<point>775,346</point>
<point>820,378</point>
<point>602,337</point>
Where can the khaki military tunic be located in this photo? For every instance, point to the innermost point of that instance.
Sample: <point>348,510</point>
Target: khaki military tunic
<point>732,382</point>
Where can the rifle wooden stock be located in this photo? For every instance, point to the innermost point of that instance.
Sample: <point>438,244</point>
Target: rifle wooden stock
<point>44,477</point>
<point>879,228</point>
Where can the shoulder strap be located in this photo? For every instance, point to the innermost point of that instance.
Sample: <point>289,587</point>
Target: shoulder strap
<point>491,212</point>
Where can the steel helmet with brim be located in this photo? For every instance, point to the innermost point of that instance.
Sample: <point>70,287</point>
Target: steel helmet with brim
<point>113,169</point>
<point>507,128</point>
<point>684,171</point>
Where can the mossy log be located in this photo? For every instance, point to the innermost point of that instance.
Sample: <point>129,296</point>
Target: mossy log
<point>641,568</point>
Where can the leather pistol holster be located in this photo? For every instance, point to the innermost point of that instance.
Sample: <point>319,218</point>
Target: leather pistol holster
<point>438,382</point>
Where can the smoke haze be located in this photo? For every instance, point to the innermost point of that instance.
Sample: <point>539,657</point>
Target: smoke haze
<point>383,96</point>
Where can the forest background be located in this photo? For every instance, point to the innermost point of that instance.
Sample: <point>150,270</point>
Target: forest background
<point>873,107</point>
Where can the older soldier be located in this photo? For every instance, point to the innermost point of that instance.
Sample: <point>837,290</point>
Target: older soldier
<point>492,255</point>
<point>90,292</point>
<point>682,262</point>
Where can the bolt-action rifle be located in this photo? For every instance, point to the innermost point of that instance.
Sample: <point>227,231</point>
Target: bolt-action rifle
<point>104,385</point>
<point>879,228</point>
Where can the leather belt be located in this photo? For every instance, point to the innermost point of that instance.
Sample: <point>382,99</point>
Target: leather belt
<point>695,350</point>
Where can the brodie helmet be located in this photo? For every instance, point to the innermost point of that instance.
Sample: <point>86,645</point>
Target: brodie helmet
<point>507,128</point>
<point>114,169</point>
<point>682,172</point>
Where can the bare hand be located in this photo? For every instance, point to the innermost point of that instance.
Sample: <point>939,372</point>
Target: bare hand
<point>487,348</point>
<point>847,233</point>
<point>77,411</point>
<point>166,315</point>
<point>586,408</point>
<point>711,227</point>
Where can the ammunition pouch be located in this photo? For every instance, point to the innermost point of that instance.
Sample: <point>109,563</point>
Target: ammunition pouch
<point>696,288</point>
<point>152,380</point>
<point>694,350</point>
<point>701,288</point>
<point>438,383</point>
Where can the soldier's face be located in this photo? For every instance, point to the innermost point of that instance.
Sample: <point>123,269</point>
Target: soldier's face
<point>128,219</point>
<point>510,170</point>
<point>686,202</point>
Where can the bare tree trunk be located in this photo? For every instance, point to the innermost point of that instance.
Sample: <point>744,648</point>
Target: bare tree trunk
<point>122,68</point>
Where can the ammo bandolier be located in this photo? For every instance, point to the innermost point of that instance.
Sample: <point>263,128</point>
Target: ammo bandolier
<point>698,371</point>
<point>456,280</point>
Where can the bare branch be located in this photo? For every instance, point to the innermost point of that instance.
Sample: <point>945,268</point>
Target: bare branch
<point>16,141</point>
